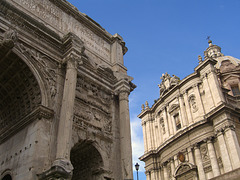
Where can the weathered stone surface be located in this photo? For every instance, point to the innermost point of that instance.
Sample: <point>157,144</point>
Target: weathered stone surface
<point>63,95</point>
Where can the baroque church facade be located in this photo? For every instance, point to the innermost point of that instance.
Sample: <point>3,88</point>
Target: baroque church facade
<point>64,89</point>
<point>192,132</point>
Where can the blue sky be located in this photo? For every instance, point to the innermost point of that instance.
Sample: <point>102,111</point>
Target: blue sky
<point>164,36</point>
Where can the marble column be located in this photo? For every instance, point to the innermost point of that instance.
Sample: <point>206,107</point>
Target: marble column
<point>224,152</point>
<point>190,155</point>
<point>199,163</point>
<point>66,116</point>
<point>165,172</point>
<point>213,158</point>
<point>172,168</point>
<point>233,146</point>
<point>125,134</point>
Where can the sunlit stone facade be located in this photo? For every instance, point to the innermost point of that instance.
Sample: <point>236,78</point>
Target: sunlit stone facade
<point>193,130</point>
<point>63,95</point>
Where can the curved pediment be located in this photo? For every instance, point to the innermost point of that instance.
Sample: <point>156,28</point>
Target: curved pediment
<point>185,168</point>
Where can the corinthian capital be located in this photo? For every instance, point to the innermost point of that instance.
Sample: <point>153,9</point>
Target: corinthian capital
<point>72,60</point>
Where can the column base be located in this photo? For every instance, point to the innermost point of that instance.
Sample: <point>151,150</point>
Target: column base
<point>61,168</point>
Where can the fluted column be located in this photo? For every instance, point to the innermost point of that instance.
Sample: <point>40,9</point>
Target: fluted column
<point>224,152</point>
<point>125,134</point>
<point>199,163</point>
<point>233,146</point>
<point>213,158</point>
<point>66,116</point>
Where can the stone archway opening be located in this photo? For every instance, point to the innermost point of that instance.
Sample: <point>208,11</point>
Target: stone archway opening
<point>20,93</point>
<point>87,162</point>
<point>7,177</point>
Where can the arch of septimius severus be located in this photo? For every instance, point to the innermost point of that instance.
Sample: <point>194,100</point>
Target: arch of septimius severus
<point>63,95</point>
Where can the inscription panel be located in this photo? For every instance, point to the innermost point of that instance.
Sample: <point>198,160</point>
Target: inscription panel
<point>63,22</point>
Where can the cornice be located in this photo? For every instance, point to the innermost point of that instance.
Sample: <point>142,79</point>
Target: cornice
<point>85,19</point>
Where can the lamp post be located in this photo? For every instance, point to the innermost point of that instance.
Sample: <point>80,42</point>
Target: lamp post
<point>137,168</point>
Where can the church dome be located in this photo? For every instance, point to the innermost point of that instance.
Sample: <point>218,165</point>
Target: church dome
<point>230,59</point>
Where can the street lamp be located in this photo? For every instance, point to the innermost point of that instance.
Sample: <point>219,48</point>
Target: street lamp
<point>137,168</point>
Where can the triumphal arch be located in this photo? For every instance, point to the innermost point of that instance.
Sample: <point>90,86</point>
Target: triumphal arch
<point>64,90</point>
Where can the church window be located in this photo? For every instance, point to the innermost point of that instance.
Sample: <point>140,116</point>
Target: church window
<point>177,121</point>
<point>235,90</point>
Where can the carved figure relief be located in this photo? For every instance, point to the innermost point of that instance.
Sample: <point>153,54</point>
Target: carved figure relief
<point>167,82</point>
<point>193,103</point>
<point>92,106</point>
<point>44,64</point>
<point>162,125</point>
<point>204,152</point>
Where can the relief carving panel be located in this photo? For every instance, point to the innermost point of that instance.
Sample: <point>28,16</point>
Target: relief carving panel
<point>45,65</point>
<point>92,109</point>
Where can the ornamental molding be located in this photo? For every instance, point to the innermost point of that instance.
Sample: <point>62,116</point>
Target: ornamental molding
<point>168,83</point>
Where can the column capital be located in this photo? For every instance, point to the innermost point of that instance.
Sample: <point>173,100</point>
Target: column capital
<point>219,132</point>
<point>72,60</point>
<point>209,139</point>
<point>229,127</point>
<point>196,146</point>
<point>9,39</point>
<point>189,149</point>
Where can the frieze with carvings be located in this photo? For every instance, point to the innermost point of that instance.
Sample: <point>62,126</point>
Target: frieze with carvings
<point>44,64</point>
<point>92,107</point>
